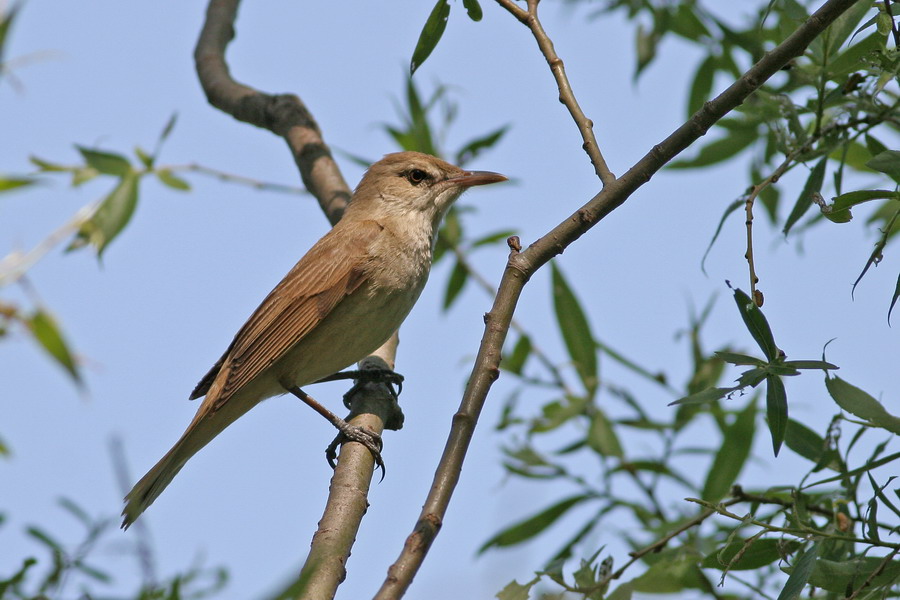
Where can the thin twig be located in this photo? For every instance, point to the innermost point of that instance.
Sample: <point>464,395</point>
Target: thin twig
<point>521,266</point>
<point>585,126</point>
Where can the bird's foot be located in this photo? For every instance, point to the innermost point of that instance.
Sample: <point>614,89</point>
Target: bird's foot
<point>351,433</point>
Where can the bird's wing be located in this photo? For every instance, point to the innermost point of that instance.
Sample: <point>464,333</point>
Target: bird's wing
<point>331,270</point>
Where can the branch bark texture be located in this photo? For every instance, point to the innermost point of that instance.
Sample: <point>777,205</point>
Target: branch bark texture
<point>521,266</point>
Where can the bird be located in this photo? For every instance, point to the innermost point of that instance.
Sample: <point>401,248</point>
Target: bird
<point>341,301</point>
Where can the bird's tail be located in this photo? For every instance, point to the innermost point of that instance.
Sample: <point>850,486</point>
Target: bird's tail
<point>207,424</point>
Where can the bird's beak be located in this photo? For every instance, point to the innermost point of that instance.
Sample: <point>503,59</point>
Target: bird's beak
<point>470,178</point>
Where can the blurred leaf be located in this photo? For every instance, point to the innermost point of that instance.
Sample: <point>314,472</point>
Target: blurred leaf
<point>740,359</point>
<point>671,572</point>
<point>761,553</point>
<point>167,129</point>
<point>843,26</point>
<point>173,181</point>
<point>719,150</point>
<point>894,299</point>
<point>737,440</point>
<point>728,210</point>
<point>515,361</point>
<point>705,396</point>
<point>888,162</point>
<point>645,44</point>
<point>110,217</point>
<point>701,88</point>
<point>530,527</point>
<point>841,576</point>
<point>840,208</point>
<point>851,59</point>
<point>47,333</point>
<point>776,410</point>
<point>6,21</point>
<point>800,573</point>
<point>493,237</point>
<point>45,538</point>
<point>575,330</point>
<point>756,324</point>
<point>455,283</point>
<point>473,9</point>
<point>874,146</point>
<point>813,186</point>
<point>11,183</point>
<point>516,591</point>
<point>857,402</point>
<point>474,147</point>
<point>804,441</point>
<point>431,34</point>
<point>107,163</point>
<point>47,166</point>
<point>602,436</point>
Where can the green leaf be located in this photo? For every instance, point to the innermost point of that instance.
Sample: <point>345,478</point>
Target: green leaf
<point>756,324</point>
<point>859,403</point>
<point>455,283</point>
<point>602,436</point>
<point>759,554</point>
<point>776,410</point>
<point>516,591</point>
<point>173,181</point>
<point>888,162</point>
<point>515,362</point>
<point>842,576</point>
<point>730,209</point>
<point>530,527</point>
<point>840,209</point>
<point>431,34</point>
<point>493,237</point>
<point>110,217</point>
<point>719,150</point>
<point>894,299</point>
<point>737,439</point>
<point>705,396</point>
<point>701,88</point>
<point>810,364</point>
<point>6,21</point>
<point>813,186</point>
<point>800,573</point>
<point>47,166</point>
<point>11,183</point>
<point>843,26</point>
<point>105,162</point>
<point>740,359</point>
<point>851,59</point>
<point>474,147</point>
<point>473,9</point>
<point>575,330</point>
<point>804,441</point>
<point>47,333</point>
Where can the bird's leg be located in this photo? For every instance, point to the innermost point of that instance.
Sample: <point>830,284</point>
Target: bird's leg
<point>368,375</point>
<point>347,432</point>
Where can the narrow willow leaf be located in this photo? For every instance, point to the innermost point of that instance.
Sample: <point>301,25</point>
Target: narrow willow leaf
<point>810,364</point>
<point>888,162</point>
<point>701,88</point>
<point>530,527</point>
<point>602,436</point>
<point>474,147</point>
<point>431,34</point>
<point>473,9</point>
<point>776,410</point>
<point>493,237</point>
<point>804,201</point>
<point>719,150</point>
<point>11,183</point>
<point>47,166</point>
<point>575,330</point>
<point>841,576</point>
<point>756,324</point>
<point>737,439</point>
<point>455,283</point>
<point>173,181</point>
<point>740,359</point>
<point>894,299</point>
<point>110,217</point>
<point>167,129</point>
<point>839,210</point>
<point>47,333</point>
<point>107,163</point>
<point>515,361</point>
<point>730,209</point>
<point>804,441</point>
<point>759,554</point>
<point>803,568</point>
<point>859,403</point>
<point>705,396</point>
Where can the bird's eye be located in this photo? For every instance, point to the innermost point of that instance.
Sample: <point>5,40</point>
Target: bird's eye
<point>416,176</point>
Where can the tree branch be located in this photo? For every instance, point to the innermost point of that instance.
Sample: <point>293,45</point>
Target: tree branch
<point>521,266</point>
<point>284,115</point>
<point>530,19</point>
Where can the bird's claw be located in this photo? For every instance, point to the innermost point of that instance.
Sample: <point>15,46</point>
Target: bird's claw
<point>351,433</point>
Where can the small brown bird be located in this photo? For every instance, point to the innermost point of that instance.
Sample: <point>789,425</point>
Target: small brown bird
<point>338,304</point>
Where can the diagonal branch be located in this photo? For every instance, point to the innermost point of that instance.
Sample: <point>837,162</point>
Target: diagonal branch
<point>530,19</point>
<point>284,115</point>
<point>521,266</point>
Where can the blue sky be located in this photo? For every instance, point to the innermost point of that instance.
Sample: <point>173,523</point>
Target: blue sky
<point>174,288</point>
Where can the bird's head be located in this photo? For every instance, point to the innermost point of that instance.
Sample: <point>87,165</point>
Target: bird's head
<point>406,183</point>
